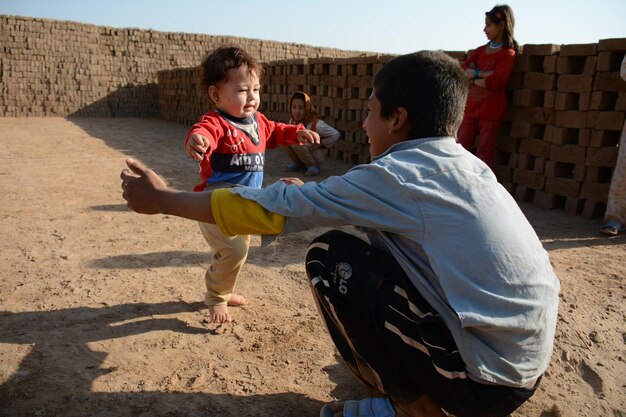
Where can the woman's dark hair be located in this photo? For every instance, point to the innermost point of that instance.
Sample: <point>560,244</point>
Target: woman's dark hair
<point>503,13</point>
<point>214,68</point>
<point>430,85</point>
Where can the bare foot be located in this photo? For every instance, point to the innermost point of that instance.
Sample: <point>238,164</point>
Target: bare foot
<point>237,300</point>
<point>219,313</point>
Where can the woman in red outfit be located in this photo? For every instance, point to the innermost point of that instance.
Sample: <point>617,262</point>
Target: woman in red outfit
<point>488,68</point>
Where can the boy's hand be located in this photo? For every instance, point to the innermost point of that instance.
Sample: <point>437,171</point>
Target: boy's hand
<point>144,193</point>
<point>309,136</point>
<point>196,146</point>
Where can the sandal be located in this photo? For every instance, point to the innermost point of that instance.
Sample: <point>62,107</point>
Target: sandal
<point>293,167</point>
<point>611,228</point>
<point>312,171</point>
<point>368,407</point>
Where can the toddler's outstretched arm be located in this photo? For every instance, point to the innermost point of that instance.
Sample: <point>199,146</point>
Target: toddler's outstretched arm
<point>309,136</point>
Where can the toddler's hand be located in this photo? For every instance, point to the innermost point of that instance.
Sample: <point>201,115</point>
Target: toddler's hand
<point>292,180</point>
<point>309,136</point>
<point>196,146</point>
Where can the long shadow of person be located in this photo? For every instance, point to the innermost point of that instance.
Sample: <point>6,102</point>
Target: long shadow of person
<point>67,359</point>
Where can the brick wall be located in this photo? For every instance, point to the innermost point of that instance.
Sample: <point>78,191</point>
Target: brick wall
<point>59,68</point>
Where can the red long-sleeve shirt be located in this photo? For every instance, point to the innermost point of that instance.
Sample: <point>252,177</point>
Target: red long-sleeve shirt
<point>489,103</point>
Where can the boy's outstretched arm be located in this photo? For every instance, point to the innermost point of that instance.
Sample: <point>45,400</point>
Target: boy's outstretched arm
<point>147,193</point>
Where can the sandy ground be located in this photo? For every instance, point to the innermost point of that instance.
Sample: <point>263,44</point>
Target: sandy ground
<point>100,311</point>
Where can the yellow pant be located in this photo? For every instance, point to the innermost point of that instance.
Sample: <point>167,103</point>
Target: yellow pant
<point>229,255</point>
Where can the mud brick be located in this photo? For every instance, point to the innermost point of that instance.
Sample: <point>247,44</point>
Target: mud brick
<point>549,64</point>
<point>594,191</point>
<point>620,103</point>
<point>603,100</point>
<point>538,115</point>
<point>526,162</point>
<point>337,81</point>
<point>604,138</point>
<point>559,170</point>
<point>566,101</point>
<point>613,44</point>
<point>567,136</point>
<point>599,174</point>
<point>609,120</point>
<point>520,129</point>
<point>575,83</point>
<point>568,153</point>
<point>576,65</point>
<point>549,99</point>
<point>586,49</point>
<point>529,179</point>
<point>535,147</point>
<point>528,98</point>
<point>573,206</point>
<point>593,209</point>
<point>539,81</point>
<point>359,81</point>
<point>572,119</point>
<point>529,63</point>
<point>584,100</point>
<point>458,55</point>
<point>523,193</point>
<point>566,187</point>
<point>609,81</point>
<point>540,165</point>
<point>507,144</point>
<point>540,49</point>
<point>546,200</point>
<point>601,157</point>
<point>609,61</point>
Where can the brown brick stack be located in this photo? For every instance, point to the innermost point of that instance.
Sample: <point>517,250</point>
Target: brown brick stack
<point>58,68</point>
<point>558,145</point>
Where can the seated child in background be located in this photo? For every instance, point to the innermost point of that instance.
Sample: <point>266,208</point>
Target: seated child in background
<point>453,302</point>
<point>310,156</point>
<point>230,144</point>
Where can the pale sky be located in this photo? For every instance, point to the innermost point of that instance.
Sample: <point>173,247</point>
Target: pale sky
<point>393,26</point>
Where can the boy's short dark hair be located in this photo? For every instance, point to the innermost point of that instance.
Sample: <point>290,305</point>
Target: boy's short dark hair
<point>430,85</point>
<point>214,68</point>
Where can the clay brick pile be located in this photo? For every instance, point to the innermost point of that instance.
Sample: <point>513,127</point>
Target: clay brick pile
<point>558,145</point>
<point>59,68</point>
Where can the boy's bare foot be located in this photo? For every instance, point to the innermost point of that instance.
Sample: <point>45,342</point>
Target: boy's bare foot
<point>219,313</point>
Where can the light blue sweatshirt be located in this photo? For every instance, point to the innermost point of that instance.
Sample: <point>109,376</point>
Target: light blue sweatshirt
<point>462,240</point>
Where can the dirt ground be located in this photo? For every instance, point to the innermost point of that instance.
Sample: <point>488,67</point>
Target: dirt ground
<point>101,314</point>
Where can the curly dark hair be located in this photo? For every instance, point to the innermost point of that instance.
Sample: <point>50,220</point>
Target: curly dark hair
<point>214,68</point>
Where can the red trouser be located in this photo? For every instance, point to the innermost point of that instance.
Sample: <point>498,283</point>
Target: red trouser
<point>487,131</point>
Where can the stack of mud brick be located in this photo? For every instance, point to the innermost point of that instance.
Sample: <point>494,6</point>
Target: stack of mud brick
<point>59,68</point>
<point>181,97</point>
<point>558,144</point>
<point>339,88</point>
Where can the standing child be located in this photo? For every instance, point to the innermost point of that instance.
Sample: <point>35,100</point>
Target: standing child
<point>310,156</point>
<point>489,68</point>
<point>230,144</point>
